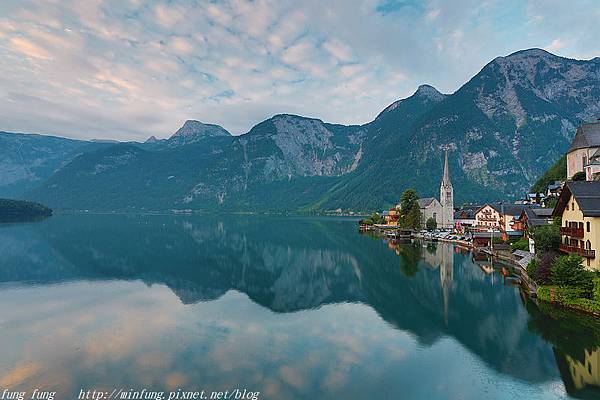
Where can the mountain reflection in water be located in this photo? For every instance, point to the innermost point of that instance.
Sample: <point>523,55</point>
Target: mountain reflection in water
<point>362,315</point>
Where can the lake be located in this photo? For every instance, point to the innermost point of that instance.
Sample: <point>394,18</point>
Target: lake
<point>293,308</point>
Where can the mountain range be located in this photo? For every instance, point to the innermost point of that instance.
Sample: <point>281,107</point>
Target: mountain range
<point>503,128</point>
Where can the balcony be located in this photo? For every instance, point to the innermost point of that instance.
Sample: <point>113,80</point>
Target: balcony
<point>578,250</point>
<point>573,232</point>
<point>488,219</point>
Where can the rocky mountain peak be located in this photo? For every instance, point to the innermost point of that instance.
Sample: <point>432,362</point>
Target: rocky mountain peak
<point>151,139</point>
<point>425,94</point>
<point>429,92</point>
<point>193,131</point>
<point>193,128</point>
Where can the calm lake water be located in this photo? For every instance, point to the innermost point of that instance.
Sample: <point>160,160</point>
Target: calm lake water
<point>296,308</point>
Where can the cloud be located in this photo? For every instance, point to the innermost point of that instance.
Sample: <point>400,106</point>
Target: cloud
<point>128,70</point>
<point>555,46</point>
<point>29,49</point>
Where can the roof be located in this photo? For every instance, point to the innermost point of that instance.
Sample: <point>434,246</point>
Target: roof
<point>465,213</point>
<point>524,257</point>
<point>587,135</point>
<point>538,216</point>
<point>587,195</point>
<point>555,185</point>
<point>542,212</point>
<point>508,208</point>
<point>424,202</point>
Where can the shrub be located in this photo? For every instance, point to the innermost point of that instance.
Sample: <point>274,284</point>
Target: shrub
<point>568,296</point>
<point>578,176</point>
<point>431,224</point>
<point>547,238</point>
<point>543,271</point>
<point>498,240</point>
<point>532,268</point>
<point>568,271</point>
<point>521,244</point>
<point>596,291</point>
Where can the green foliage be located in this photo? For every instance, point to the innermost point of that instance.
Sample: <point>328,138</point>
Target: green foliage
<point>578,176</point>
<point>551,202</point>
<point>15,210</point>
<point>410,256</point>
<point>408,200</point>
<point>374,219</point>
<point>532,268</point>
<point>557,172</point>
<point>521,244</point>
<point>568,271</point>
<point>431,224</point>
<point>547,238</point>
<point>498,240</point>
<point>569,296</point>
<point>596,290</point>
<point>544,270</point>
<point>412,220</point>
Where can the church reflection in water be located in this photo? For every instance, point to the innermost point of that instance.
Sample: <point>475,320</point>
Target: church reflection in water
<point>432,291</point>
<point>575,338</point>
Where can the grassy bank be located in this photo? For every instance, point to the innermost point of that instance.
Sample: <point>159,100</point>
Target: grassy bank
<point>572,297</point>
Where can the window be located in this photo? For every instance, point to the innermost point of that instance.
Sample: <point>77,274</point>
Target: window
<point>587,225</point>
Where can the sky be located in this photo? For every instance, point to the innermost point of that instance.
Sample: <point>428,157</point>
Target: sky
<point>129,69</point>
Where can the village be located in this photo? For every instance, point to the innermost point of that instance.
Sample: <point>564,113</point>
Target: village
<point>550,238</point>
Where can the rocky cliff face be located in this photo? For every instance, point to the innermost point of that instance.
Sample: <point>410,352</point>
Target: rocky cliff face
<point>504,128</point>
<point>194,131</point>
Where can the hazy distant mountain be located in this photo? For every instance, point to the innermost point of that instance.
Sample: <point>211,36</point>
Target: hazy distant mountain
<point>27,160</point>
<point>504,128</point>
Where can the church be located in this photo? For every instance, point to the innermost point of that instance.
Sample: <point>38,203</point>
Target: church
<point>441,210</point>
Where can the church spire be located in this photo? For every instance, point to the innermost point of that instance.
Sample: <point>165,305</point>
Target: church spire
<point>446,179</point>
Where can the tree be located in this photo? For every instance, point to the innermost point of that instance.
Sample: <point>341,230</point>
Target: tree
<point>407,200</point>
<point>375,218</point>
<point>551,203</point>
<point>557,172</point>
<point>521,244</point>
<point>431,224</point>
<point>543,271</point>
<point>412,219</point>
<point>547,238</point>
<point>568,271</point>
<point>578,176</point>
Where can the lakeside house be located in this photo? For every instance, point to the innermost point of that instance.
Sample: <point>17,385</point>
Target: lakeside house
<point>579,208</point>
<point>584,149</point>
<point>464,218</point>
<point>531,218</point>
<point>392,216</point>
<point>554,189</point>
<point>499,216</point>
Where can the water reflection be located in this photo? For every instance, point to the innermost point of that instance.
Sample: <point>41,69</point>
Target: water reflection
<point>294,307</point>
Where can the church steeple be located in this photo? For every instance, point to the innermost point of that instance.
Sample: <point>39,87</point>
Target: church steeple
<point>447,196</point>
<point>446,179</point>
